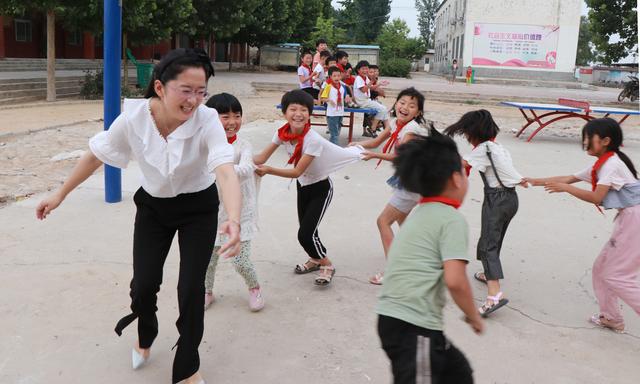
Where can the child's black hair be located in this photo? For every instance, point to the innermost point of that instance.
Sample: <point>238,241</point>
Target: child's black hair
<point>373,66</point>
<point>333,69</point>
<point>413,93</point>
<point>305,53</point>
<point>341,54</point>
<point>425,164</point>
<point>320,41</point>
<point>174,63</point>
<point>297,96</point>
<point>477,126</point>
<point>224,103</point>
<point>331,58</point>
<point>607,127</point>
<point>362,63</point>
<point>324,55</point>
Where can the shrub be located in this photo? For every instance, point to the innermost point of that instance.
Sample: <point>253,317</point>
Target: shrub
<point>395,67</point>
<point>93,87</point>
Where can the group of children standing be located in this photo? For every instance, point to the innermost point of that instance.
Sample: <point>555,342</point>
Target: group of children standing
<point>427,255</point>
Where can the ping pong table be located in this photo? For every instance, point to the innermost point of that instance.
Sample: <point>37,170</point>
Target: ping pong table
<point>565,109</point>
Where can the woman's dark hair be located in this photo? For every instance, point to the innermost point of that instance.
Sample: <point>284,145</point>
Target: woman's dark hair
<point>478,127</point>
<point>299,97</point>
<point>333,69</point>
<point>362,63</point>
<point>413,93</point>
<point>607,127</point>
<point>425,164</point>
<point>224,103</point>
<point>174,63</point>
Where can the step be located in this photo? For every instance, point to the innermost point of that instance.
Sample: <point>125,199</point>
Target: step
<point>39,84</point>
<point>39,91</point>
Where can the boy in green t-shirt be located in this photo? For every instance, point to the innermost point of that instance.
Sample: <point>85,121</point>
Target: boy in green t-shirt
<point>428,254</point>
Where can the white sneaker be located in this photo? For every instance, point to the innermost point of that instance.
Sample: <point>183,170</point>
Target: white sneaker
<point>256,301</point>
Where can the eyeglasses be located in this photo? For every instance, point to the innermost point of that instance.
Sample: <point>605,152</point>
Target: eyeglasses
<point>189,93</point>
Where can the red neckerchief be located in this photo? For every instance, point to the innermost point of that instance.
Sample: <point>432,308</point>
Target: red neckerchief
<point>392,139</point>
<point>337,86</point>
<point>596,167</point>
<point>467,167</point>
<point>285,134</point>
<point>308,69</point>
<point>440,199</point>
<point>364,78</point>
<point>340,67</point>
<point>232,139</point>
<point>594,172</point>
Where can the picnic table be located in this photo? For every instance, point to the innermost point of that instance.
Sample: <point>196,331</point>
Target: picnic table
<point>349,113</point>
<point>565,109</point>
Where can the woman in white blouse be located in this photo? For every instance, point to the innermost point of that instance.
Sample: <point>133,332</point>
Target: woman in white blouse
<point>182,151</point>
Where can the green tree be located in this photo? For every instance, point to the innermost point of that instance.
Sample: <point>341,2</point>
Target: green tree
<point>372,15</point>
<point>347,18</point>
<point>271,22</point>
<point>614,17</point>
<point>222,19</point>
<point>326,29</point>
<point>585,54</point>
<point>395,42</point>
<point>426,19</point>
<point>305,26</point>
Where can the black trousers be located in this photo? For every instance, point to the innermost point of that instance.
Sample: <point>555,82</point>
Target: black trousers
<point>498,208</point>
<point>195,217</point>
<point>313,201</point>
<point>420,356</point>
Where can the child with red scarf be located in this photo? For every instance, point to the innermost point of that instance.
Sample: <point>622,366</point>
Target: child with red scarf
<point>306,75</point>
<point>230,113</point>
<point>362,94</point>
<point>500,204</point>
<point>335,95</point>
<point>408,123</point>
<point>428,257</point>
<point>314,159</point>
<point>614,184</point>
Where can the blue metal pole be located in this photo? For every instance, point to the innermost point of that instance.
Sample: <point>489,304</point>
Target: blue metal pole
<point>112,50</point>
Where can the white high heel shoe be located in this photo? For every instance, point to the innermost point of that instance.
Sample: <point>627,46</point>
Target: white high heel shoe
<point>137,360</point>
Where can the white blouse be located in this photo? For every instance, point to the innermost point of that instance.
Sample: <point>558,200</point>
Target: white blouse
<point>245,169</point>
<point>183,163</point>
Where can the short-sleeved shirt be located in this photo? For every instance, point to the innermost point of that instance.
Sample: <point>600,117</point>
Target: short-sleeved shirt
<point>328,156</point>
<point>613,173</point>
<point>414,287</point>
<point>319,69</point>
<point>304,72</point>
<point>357,93</point>
<point>479,160</point>
<point>183,163</point>
<point>412,127</point>
<point>330,92</point>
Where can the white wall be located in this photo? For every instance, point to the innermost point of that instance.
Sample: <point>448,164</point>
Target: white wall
<point>565,13</point>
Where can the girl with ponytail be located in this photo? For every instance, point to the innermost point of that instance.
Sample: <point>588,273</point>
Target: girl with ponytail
<point>614,184</point>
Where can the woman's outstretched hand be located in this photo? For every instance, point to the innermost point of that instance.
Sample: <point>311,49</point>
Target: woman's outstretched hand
<point>231,248</point>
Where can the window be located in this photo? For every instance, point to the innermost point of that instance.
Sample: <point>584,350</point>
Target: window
<point>23,30</point>
<point>75,38</point>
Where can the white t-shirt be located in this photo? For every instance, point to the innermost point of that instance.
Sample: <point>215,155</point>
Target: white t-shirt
<point>328,156</point>
<point>245,169</point>
<point>319,69</point>
<point>304,72</point>
<point>182,164</point>
<point>357,93</point>
<point>613,173</point>
<point>412,127</point>
<point>479,160</point>
<point>331,93</point>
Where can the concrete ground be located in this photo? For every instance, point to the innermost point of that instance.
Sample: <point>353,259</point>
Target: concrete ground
<point>65,284</point>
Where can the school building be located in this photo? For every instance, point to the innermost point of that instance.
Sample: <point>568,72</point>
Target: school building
<point>529,39</point>
<point>25,37</point>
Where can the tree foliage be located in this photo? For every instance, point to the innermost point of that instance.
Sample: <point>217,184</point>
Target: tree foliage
<point>586,53</point>
<point>395,42</point>
<point>426,19</point>
<point>222,19</point>
<point>271,22</point>
<point>609,18</point>
<point>363,19</point>
<point>326,29</point>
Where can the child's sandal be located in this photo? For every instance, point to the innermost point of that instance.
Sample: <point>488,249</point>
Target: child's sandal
<point>601,321</point>
<point>377,278</point>
<point>492,304</point>
<point>324,278</point>
<point>481,277</point>
<point>302,269</point>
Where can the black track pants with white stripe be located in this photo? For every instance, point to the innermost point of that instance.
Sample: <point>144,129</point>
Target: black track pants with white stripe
<point>421,356</point>
<point>313,201</point>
